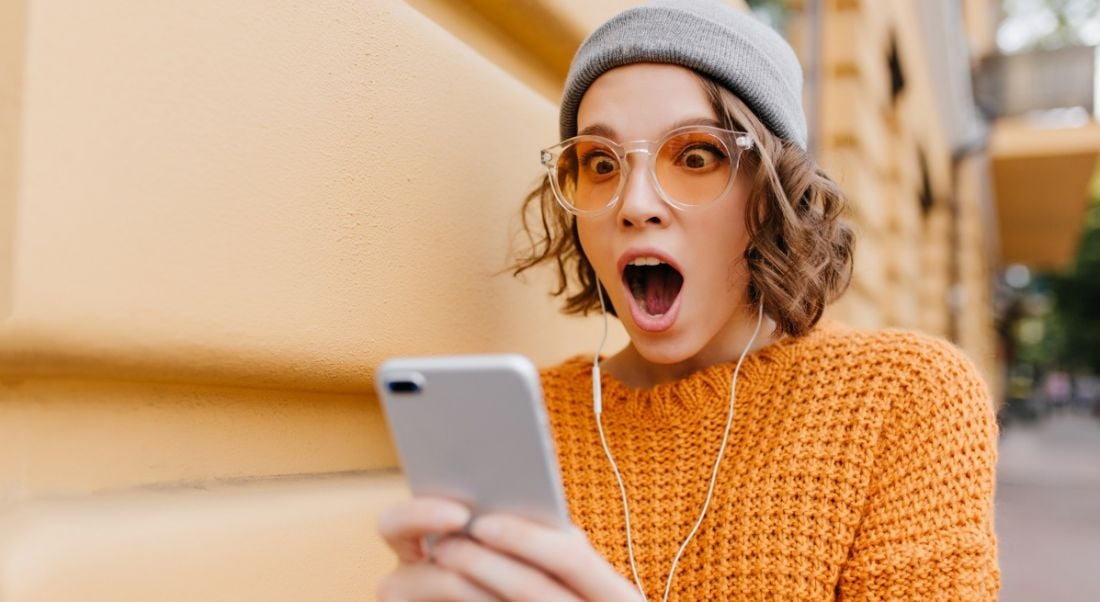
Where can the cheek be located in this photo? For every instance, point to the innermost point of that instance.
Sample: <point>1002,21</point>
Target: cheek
<point>584,233</point>
<point>595,244</point>
<point>592,242</point>
<point>736,274</point>
<point>725,231</point>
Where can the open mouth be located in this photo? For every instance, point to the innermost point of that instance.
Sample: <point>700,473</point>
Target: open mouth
<point>654,284</point>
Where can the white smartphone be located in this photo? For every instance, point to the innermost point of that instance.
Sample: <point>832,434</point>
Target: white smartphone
<point>473,428</point>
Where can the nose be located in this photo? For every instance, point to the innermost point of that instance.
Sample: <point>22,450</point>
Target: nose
<point>641,204</point>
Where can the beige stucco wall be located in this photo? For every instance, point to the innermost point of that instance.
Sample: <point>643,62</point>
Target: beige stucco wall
<point>222,217</point>
<point>11,77</point>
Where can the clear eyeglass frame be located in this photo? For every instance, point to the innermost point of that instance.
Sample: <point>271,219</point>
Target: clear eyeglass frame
<point>735,142</point>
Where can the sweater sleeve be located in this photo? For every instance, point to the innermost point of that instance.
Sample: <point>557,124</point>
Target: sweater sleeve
<point>927,527</point>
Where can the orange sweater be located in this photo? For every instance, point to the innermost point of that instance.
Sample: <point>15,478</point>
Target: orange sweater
<point>860,466</point>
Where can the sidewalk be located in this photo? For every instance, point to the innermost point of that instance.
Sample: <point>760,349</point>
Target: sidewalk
<point>1048,510</point>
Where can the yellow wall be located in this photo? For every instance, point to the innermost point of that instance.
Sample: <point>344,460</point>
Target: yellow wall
<point>11,75</point>
<point>223,216</point>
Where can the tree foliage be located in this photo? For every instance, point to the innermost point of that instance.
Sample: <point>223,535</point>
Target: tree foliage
<point>1077,300</point>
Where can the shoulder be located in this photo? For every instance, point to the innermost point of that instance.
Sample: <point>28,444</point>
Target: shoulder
<point>917,358</point>
<point>913,375</point>
<point>930,384</point>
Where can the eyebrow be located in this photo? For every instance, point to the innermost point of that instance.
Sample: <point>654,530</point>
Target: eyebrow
<point>600,129</point>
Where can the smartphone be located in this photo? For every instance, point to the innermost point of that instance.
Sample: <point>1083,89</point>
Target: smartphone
<point>473,428</point>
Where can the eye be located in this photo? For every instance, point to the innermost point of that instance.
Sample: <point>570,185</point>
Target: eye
<point>700,157</point>
<point>599,163</point>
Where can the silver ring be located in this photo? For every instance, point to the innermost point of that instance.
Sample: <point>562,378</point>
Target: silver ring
<point>427,543</point>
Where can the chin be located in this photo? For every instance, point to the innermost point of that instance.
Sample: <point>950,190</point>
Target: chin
<point>664,348</point>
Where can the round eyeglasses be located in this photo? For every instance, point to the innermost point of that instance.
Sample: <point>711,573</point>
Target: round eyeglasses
<point>689,166</point>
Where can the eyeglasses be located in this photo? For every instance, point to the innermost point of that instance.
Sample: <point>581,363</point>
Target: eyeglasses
<point>689,166</point>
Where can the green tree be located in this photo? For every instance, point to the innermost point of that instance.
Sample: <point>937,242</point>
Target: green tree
<point>1077,300</point>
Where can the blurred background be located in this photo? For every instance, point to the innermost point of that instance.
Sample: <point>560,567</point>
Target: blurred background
<point>216,219</point>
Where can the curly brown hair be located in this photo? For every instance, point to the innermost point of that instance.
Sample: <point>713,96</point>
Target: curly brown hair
<point>800,249</point>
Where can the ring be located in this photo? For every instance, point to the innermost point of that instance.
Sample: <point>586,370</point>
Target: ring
<point>427,544</point>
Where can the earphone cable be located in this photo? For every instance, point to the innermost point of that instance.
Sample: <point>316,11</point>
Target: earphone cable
<point>721,452</point>
<point>597,400</point>
<point>597,396</point>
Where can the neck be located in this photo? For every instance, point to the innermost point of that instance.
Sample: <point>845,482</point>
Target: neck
<point>630,367</point>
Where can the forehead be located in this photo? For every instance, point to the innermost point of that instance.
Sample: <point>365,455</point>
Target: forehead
<point>643,100</point>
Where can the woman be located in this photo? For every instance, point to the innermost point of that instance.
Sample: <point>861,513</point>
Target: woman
<point>737,448</point>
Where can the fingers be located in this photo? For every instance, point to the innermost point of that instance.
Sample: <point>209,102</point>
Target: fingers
<point>404,526</point>
<point>498,573</point>
<point>564,554</point>
<point>422,581</point>
<point>514,559</point>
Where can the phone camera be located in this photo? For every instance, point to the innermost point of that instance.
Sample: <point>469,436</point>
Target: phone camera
<point>403,386</point>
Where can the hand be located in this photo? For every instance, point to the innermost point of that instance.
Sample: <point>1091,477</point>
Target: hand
<point>507,558</point>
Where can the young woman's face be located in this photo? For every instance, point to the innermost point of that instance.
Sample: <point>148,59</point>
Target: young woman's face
<point>668,320</point>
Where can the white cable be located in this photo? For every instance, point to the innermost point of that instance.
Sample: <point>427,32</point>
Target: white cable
<point>721,451</point>
<point>597,400</point>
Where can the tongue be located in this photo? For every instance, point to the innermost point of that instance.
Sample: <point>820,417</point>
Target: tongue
<point>661,288</point>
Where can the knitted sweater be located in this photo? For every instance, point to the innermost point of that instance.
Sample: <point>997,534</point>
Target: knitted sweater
<point>860,466</point>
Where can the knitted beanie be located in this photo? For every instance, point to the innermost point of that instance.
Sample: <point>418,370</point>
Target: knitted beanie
<point>717,40</point>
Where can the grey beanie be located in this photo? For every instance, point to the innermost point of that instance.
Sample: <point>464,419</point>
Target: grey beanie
<point>717,40</point>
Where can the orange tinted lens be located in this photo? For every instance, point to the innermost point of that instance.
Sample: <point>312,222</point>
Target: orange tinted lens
<point>694,167</point>
<point>588,175</point>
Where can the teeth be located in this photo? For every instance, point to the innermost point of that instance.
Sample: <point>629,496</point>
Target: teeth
<point>644,261</point>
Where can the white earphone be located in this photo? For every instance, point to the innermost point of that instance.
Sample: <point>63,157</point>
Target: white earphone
<point>597,405</point>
